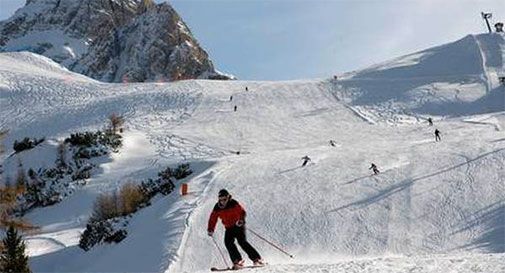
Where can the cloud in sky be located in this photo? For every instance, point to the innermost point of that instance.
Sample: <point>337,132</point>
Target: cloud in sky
<point>291,39</point>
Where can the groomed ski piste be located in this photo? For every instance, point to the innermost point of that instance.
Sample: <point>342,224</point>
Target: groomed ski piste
<point>435,206</point>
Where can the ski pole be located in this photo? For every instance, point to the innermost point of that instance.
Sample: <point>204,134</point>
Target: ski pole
<point>272,244</point>
<point>221,252</point>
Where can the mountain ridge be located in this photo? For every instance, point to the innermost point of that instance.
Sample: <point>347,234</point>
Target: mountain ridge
<point>110,40</point>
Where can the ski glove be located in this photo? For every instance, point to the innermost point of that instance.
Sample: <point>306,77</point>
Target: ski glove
<point>210,233</point>
<point>240,223</point>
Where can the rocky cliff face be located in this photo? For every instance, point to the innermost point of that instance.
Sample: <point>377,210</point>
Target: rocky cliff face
<point>109,40</point>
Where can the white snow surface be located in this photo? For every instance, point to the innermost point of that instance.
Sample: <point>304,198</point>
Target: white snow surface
<point>61,46</point>
<point>435,207</point>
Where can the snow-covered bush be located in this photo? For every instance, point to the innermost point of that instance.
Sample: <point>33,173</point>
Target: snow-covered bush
<point>166,174</point>
<point>94,233</point>
<point>107,231</point>
<point>108,213</point>
<point>160,185</point>
<point>53,173</point>
<point>116,237</point>
<point>164,183</point>
<point>82,173</point>
<point>86,139</point>
<point>90,139</point>
<point>112,140</point>
<point>111,208</point>
<point>50,186</point>
<point>182,171</point>
<point>26,144</point>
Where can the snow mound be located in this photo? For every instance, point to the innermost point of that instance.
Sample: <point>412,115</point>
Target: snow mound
<point>32,64</point>
<point>456,79</point>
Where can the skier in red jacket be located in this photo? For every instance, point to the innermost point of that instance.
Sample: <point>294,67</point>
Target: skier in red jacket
<point>232,215</point>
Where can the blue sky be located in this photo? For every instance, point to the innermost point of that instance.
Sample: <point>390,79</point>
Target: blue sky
<point>295,39</point>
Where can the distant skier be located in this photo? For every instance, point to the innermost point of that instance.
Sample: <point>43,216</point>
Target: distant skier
<point>374,168</point>
<point>306,160</point>
<point>333,143</point>
<point>246,89</point>
<point>437,135</point>
<point>231,98</point>
<point>232,215</point>
<point>235,108</point>
<point>430,121</point>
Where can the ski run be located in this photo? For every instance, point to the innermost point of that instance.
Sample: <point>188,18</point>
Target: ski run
<point>435,206</point>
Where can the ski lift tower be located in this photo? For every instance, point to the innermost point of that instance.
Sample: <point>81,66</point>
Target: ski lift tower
<point>486,16</point>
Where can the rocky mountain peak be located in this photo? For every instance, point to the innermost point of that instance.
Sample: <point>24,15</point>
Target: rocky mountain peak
<point>109,40</point>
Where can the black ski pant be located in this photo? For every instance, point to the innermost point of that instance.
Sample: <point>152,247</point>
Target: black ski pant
<point>229,240</point>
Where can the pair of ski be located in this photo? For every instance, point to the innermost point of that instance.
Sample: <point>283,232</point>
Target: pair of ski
<point>215,269</point>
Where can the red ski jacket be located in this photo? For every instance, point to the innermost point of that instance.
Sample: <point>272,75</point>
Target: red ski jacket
<point>229,215</point>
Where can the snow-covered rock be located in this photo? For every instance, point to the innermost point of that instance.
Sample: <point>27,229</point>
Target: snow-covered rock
<point>112,41</point>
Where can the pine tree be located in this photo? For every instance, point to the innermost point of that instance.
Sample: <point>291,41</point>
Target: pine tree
<point>13,258</point>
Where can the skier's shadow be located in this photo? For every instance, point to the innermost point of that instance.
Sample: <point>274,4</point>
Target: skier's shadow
<point>376,197</point>
<point>356,179</point>
<point>498,140</point>
<point>290,170</point>
<point>491,217</point>
<point>406,183</point>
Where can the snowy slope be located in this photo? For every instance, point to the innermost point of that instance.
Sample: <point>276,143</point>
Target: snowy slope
<point>455,79</point>
<point>435,207</point>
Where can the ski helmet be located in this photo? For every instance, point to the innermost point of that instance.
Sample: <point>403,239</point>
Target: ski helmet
<point>223,193</point>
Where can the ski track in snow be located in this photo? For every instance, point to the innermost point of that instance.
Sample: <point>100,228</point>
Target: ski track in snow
<point>435,207</point>
<point>491,263</point>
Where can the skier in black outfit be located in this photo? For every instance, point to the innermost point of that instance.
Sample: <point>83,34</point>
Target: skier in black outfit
<point>231,98</point>
<point>373,167</point>
<point>332,143</point>
<point>430,121</point>
<point>437,135</point>
<point>306,160</point>
<point>235,109</point>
